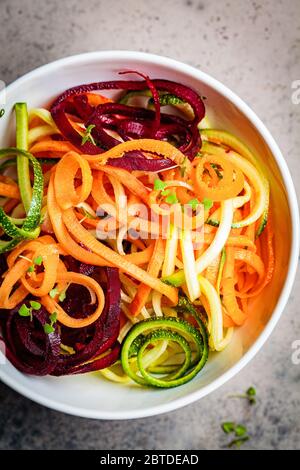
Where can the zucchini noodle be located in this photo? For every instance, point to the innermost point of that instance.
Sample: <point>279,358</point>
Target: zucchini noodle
<point>214,249</point>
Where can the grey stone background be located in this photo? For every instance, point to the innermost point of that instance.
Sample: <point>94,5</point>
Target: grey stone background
<point>254,48</point>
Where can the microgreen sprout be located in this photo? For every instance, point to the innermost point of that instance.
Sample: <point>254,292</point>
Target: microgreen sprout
<point>25,311</point>
<point>87,137</point>
<point>48,327</point>
<point>159,185</point>
<point>250,395</point>
<point>38,260</point>
<point>239,430</point>
<point>208,203</point>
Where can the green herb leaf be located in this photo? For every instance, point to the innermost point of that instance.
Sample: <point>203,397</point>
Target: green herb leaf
<point>35,305</point>
<point>238,442</point>
<point>24,311</point>
<point>53,318</point>
<point>208,203</point>
<point>240,430</point>
<point>62,295</point>
<point>171,198</point>
<point>30,269</point>
<point>53,293</point>
<point>38,261</point>
<point>194,203</point>
<point>159,185</point>
<point>87,137</point>
<point>251,392</point>
<point>48,328</point>
<point>228,427</point>
<point>2,112</point>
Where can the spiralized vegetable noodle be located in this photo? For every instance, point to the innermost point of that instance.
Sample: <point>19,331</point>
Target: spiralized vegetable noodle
<point>131,242</point>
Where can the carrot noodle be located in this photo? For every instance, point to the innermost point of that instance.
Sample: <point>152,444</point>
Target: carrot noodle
<point>66,193</point>
<point>9,188</point>
<point>147,145</point>
<point>51,148</point>
<point>52,306</point>
<point>99,215</point>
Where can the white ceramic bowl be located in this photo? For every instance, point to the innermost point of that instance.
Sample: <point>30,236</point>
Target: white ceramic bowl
<point>88,395</point>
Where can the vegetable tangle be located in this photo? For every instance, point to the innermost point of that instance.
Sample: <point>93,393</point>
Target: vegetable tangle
<point>132,243</point>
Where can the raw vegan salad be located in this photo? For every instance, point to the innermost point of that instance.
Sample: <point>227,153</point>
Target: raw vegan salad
<point>133,235</point>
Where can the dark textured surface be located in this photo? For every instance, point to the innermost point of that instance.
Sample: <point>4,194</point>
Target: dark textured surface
<point>254,48</point>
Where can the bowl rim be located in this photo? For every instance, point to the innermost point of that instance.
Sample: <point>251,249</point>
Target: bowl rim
<point>294,252</point>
